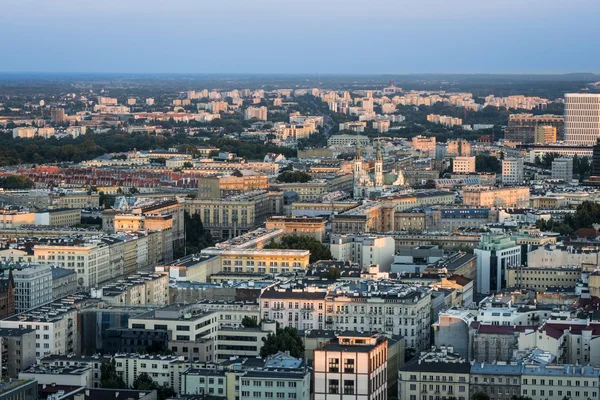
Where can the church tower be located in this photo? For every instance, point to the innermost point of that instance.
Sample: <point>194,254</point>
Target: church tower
<point>378,167</point>
<point>358,164</point>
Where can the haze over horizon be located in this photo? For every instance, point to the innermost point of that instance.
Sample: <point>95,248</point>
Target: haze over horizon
<point>299,37</point>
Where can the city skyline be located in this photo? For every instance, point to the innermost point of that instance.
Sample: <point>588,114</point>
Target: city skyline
<point>306,37</point>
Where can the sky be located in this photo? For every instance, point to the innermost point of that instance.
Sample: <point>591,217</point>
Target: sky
<point>300,36</point>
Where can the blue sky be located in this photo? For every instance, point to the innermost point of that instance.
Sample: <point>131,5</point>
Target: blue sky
<point>300,36</point>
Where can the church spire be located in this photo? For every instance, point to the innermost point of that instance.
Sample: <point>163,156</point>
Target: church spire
<point>357,153</point>
<point>379,156</point>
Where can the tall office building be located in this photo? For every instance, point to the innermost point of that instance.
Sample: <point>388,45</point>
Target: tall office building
<point>582,118</point>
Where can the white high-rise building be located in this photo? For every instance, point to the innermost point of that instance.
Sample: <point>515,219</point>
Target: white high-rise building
<point>512,171</point>
<point>33,287</point>
<point>495,254</point>
<point>582,118</point>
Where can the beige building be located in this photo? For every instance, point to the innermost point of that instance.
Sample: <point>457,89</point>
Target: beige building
<point>424,144</point>
<point>463,165</point>
<point>240,181</point>
<point>259,113</point>
<point>234,215</point>
<point>540,279</point>
<point>351,367</point>
<point>299,226</point>
<point>261,261</point>
<point>409,221</point>
<point>458,147</point>
<point>544,134</point>
<point>139,289</point>
<point>487,196</point>
<point>364,218</point>
<point>58,217</point>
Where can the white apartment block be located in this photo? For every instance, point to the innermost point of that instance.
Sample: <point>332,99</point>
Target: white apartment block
<point>33,287</point>
<point>512,171</point>
<point>363,250</point>
<point>164,370</point>
<point>367,307</point>
<point>562,169</point>
<point>56,326</point>
<point>582,118</point>
<point>353,367</point>
<point>494,255</point>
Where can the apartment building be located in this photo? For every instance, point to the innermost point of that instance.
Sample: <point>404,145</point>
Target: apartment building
<point>296,308</point>
<point>458,147</point>
<point>555,382</point>
<point>91,261</point>
<point>18,350</point>
<point>352,366</point>
<point>364,250</point>
<point>259,113</point>
<point>540,279</point>
<point>438,372</point>
<point>261,261</point>
<point>499,380</point>
<point>347,140</point>
<point>463,165</point>
<point>234,215</point>
<point>361,219</point>
<point>512,171</point>
<point>562,169</point>
<point>582,118</point>
<point>238,182</point>
<point>33,287</point>
<point>488,196</point>
<point>424,144</point>
<point>313,227</point>
<point>544,134</point>
<point>139,289</point>
<point>56,325</point>
<point>164,370</point>
<point>521,127</point>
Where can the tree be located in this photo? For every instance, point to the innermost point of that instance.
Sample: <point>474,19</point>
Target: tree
<point>286,339</point>
<point>487,163</point>
<point>317,250</point>
<point>145,382</point>
<point>480,396</point>
<point>188,164</point>
<point>196,237</point>
<point>249,322</point>
<point>293,177</point>
<point>15,182</point>
<point>110,379</point>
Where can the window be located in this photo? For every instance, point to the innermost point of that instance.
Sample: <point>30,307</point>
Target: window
<point>348,387</point>
<point>334,386</point>
<point>334,365</point>
<point>349,365</point>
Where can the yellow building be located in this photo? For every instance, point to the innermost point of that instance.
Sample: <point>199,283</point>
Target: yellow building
<point>540,279</point>
<point>322,208</point>
<point>299,226</point>
<point>58,217</point>
<point>548,202</point>
<point>487,196</point>
<point>364,218</point>
<point>240,181</point>
<point>261,261</point>
<point>544,134</point>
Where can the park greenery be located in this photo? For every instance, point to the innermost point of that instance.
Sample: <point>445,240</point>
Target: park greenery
<point>586,215</point>
<point>293,177</point>
<point>15,182</point>
<point>286,339</point>
<point>196,237</point>
<point>487,163</point>
<point>317,250</point>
